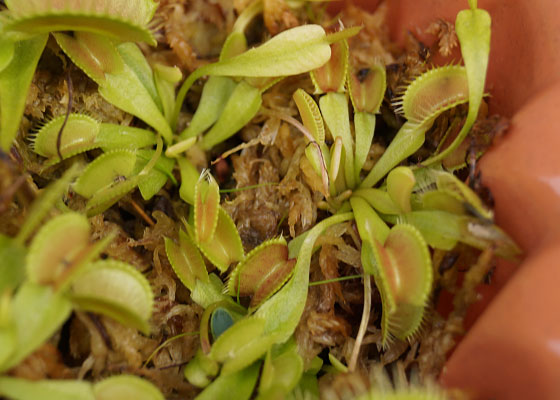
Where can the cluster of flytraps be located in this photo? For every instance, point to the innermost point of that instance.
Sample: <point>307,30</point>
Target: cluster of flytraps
<point>426,206</point>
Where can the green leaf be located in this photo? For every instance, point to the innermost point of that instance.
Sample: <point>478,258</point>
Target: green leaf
<point>8,344</point>
<point>442,200</point>
<point>133,57</point>
<point>8,334</point>
<point>165,79</point>
<point>238,385</point>
<point>200,370</point>
<point>7,50</point>
<point>370,225</point>
<point>242,105</point>
<point>334,107</point>
<point>42,205</point>
<point>364,127</point>
<point>125,20</point>
<point>448,182</point>
<point>12,264</point>
<point>115,289</point>
<point>126,387</point>
<point>109,195</point>
<point>281,373</point>
<point>379,199</point>
<point>23,389</point>
<point>215,95</point>
<point>189,177</point>
<point>336,159</point>
<point>151,182</point>
<point>408,139</point>
<point>37,313</point>
<point>473,29</point>
<point>15,79</point>
<point>442,229</point>
<point>112,137</point>
<point>207,293</point>
<point>241,345</point>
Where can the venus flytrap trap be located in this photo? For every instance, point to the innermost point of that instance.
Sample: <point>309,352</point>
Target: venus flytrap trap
<point>263,272</point>
<point>122,20</point>
<point>366,93</point>
<point>83,133</point>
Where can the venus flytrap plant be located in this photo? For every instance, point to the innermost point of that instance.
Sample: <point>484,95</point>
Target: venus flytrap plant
<point>27,23</point>
<point>122,74</point>
<point>7,50</point>
<point>455,195</point>
<point>439,90</point>
<point>59,279</point>
<point>399,260</point>
<point>186,260</point>
<point>276,319</point>
<point>242,105</point>
<point>427,97</point>
<point>291,52</point>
